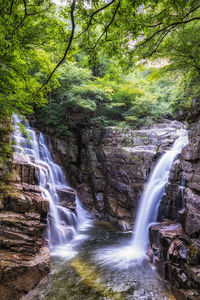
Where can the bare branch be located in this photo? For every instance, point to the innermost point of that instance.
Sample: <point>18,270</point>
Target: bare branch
<point>25,7</point>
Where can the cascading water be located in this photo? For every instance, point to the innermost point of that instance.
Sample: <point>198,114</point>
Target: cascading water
<point>150,199</point>
<point>182,190</point>
<point>123,256</point>
<point>63,224</point>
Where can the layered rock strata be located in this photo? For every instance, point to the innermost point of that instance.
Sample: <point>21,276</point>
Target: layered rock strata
<point>175,245</point>
<point>24,254</point>
<point>110,167</point>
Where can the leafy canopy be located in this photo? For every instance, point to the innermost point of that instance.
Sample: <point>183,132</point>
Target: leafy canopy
<point>37,38</point>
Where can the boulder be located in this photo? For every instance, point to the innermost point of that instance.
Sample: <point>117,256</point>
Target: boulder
<point>20,273</point>
<point>176,258</point>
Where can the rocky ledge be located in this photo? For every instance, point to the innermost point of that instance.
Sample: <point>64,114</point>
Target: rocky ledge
<point>177,259</point>
<point>109,168</point>
<point>24,256</point>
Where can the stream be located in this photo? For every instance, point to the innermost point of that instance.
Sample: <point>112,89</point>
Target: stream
<point>85,277</point>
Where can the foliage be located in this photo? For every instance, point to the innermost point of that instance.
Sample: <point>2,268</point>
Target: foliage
<point>105,37</point>
<point>186,90</point>
<point>84,100</point>
<point>175,50</point>
<point>30,33</point>
<point>6,153</point>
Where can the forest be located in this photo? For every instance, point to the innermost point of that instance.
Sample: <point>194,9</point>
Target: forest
<point>99,149</point>
<point>117,62</point>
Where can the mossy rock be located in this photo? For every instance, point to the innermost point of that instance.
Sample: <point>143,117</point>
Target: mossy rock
<point>193,255</point>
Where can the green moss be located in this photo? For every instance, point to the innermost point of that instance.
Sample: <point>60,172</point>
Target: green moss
<point>6,156</point>
<point>193,255</point>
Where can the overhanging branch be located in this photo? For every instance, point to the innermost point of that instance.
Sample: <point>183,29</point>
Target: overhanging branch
<point>92,16</point>
<point>68,46</point>
<point>108,25</point>
<point>167,28</point>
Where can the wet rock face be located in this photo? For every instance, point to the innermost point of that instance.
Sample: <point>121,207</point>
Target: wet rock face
<point>177,258</point>
<point>109,168</point>
<point>187,209</point>
<point>175,247</point>
<point>172,201</point>
<point>25,172</point>
<point>24,258</point>
<point>190,163</point>
<point>20,273</point>
<point>68,197</point>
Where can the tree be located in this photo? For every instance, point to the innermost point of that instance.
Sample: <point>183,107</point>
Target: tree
<point>30,33</point>
<point>37,39</point>
<point>120,27</point>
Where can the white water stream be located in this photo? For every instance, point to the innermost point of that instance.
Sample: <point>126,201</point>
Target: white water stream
<point>135,251</point>
<point>151,196</point>
<point>63,225</point>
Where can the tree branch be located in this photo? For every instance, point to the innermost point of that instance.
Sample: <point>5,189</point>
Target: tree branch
<point>26,14</point>
<point>159,42</point>
<point>191,11</point>
<point>172,25</point>
<point>67,49</point>
<point>24,17</point>
<point>108,25</point>
<point>186,15</point>
<point>92,16</point>
<point>39,12</point>
<point>11,6</point>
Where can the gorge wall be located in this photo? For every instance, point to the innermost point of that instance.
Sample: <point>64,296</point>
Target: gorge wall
<point>110,167</point>
<point>175,242</point>
<point>24,255</point>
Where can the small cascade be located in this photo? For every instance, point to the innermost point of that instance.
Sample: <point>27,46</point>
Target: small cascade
<point>63,224</point>
<point>150,199</point>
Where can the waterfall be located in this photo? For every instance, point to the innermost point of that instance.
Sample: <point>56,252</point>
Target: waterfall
<point>151,196</point>
<point>134,251</point>
<point>63,224</point>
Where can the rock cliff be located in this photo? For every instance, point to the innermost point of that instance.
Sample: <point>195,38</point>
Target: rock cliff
<point>110,167</point>
<point>175,244</point>
<point>24,257</point>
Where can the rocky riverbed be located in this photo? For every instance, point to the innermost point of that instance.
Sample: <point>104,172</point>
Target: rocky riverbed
<point>85,277</point>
